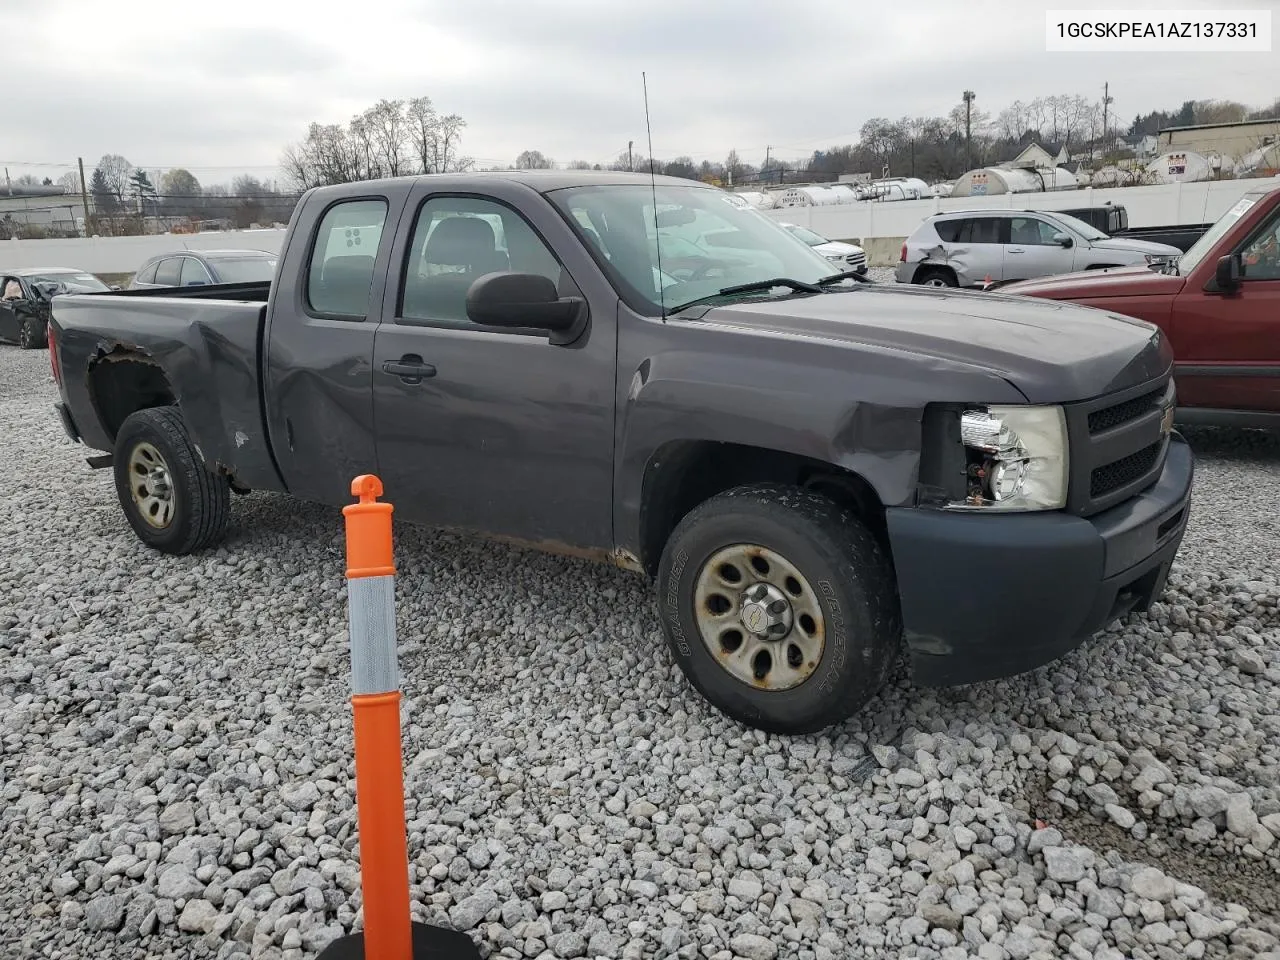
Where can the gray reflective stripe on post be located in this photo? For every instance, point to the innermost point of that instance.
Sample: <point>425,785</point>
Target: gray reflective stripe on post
<point>371,618</point>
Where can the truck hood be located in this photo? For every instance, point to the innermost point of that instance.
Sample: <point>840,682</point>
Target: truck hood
<point>1089,284</point>
<point>1130,245</point>
<point>1051,352</point>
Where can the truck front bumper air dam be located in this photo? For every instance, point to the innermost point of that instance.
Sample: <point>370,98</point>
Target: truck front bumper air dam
<point>987,596</point>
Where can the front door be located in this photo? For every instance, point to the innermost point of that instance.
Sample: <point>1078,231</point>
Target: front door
<point>1228,343</point>
<point>1031,251</point>
<point>10,293</point>
<point>484,428</point>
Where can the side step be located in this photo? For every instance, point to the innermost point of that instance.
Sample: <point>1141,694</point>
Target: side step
<point>99,462</point>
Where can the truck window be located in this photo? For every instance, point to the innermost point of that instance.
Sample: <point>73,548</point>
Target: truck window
<point>457,239</point>
<point>1260,259</point>
<point>340,272</point>
<point>167,271</point>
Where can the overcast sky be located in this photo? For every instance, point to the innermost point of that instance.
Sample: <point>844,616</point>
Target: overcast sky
<point>223,88</point>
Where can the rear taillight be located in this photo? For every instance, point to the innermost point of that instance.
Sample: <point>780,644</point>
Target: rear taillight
<point>53,355</point>
<point>902,257</point>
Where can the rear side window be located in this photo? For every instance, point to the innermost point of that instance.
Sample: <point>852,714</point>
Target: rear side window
<point>148,275</point>
<point>949,230</point>
<point>340,273</point>
<point>983,230</point>
<point>167,271</point>
<point>193,273</point>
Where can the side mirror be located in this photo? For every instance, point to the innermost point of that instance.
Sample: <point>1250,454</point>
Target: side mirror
<point>116,286</point>
<point>1227,273</point>
<point>525,300</point>
<point>1063,240</point>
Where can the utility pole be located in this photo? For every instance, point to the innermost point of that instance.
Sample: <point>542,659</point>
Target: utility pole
<point>8,185</point>
<point>630,164</point>
<point>968,148</point>
<point>84,198</point>
<point>765,170</point>
<point>1106,102</point>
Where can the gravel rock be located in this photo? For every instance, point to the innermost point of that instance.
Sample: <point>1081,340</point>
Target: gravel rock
<point>1151,883</point>
<point>104,913</point>
<point>1067,864</point>
<point>753,947</point>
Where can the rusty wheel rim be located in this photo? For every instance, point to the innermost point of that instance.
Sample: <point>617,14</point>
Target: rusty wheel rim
<point>151,485</point>
<point>759,617</point>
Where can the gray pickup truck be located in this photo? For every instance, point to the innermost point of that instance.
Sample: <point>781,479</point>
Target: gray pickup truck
<point>817,472</point>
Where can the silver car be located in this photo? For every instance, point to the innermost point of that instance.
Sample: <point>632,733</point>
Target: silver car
<point>973,248</point>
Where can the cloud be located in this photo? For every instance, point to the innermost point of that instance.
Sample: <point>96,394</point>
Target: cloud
<point>166,84</point>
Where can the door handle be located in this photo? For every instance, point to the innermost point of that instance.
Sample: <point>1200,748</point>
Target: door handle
<point>1014,250</point>
<point>410,368</point>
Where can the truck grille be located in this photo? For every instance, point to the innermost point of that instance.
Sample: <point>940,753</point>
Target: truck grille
<point>856,261</point>
<point>1114,416</point>
<point>1118,445</point>
<point>1114,475</point>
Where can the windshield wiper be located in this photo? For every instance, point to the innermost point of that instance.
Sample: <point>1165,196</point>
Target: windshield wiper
<point>846,275</point>
<point>756,286</point>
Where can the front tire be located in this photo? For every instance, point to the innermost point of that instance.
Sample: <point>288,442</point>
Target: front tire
<point>780,607</point>
<point>31,334</point>
<point>172,501</point>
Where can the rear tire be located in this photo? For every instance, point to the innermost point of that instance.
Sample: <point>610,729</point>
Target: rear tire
<point>838,631</point>
<point>172,501</point>
<point>31,334</point>
<point>936,277</point>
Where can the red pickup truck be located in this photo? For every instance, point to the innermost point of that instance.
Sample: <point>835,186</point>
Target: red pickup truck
<point>1219,305</point>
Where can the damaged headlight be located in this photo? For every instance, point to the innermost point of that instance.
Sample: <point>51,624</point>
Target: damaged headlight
<point>1016,458</point>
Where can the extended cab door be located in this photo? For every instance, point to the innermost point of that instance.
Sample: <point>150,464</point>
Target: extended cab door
<point>1228,341</point>
<point>491,429</point>
<point>319,342</point>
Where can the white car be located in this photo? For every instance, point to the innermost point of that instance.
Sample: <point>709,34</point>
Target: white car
<point>850,256</point>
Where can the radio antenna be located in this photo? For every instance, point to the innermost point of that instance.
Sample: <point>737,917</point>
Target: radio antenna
<point>653,184</point>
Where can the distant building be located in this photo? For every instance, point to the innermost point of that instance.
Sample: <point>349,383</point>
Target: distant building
<point>1226,139</point>
<point>1049,155</point>
<point>1143,145</point>
<point>48,207</point>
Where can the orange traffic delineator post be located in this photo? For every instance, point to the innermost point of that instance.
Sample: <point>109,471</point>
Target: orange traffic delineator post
<point>389,933</point>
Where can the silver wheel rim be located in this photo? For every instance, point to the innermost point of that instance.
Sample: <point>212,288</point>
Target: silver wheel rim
<point>759,617</point>
<point>936,282</point>
<point>151,485</point>
<point>26,334</point>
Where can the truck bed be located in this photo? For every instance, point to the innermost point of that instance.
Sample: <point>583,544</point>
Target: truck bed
<point>204,345</point>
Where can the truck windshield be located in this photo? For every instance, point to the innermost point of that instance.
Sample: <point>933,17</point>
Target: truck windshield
<point>702,239</point>
<point>74,282</point>
<point>1200,249</point>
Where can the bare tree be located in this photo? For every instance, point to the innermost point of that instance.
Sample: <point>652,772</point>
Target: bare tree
<point>533,160</point>
<point>70,182</point>
<point>115,173</point>
<point>389,126</point>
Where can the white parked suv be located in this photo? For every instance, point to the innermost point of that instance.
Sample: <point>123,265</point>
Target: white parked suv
<point>850,256</point>
<point>971,248</point>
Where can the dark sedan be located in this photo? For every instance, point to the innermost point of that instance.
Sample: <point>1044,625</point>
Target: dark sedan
<point>25,297</point>
<point>199,268</point>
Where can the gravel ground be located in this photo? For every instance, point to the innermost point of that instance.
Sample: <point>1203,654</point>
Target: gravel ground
<point>175,774</point>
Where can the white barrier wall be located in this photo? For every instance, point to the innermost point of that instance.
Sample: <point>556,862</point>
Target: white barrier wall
<point>1148,207</point>
<point>126,254</point>
<point>1161,205</point>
